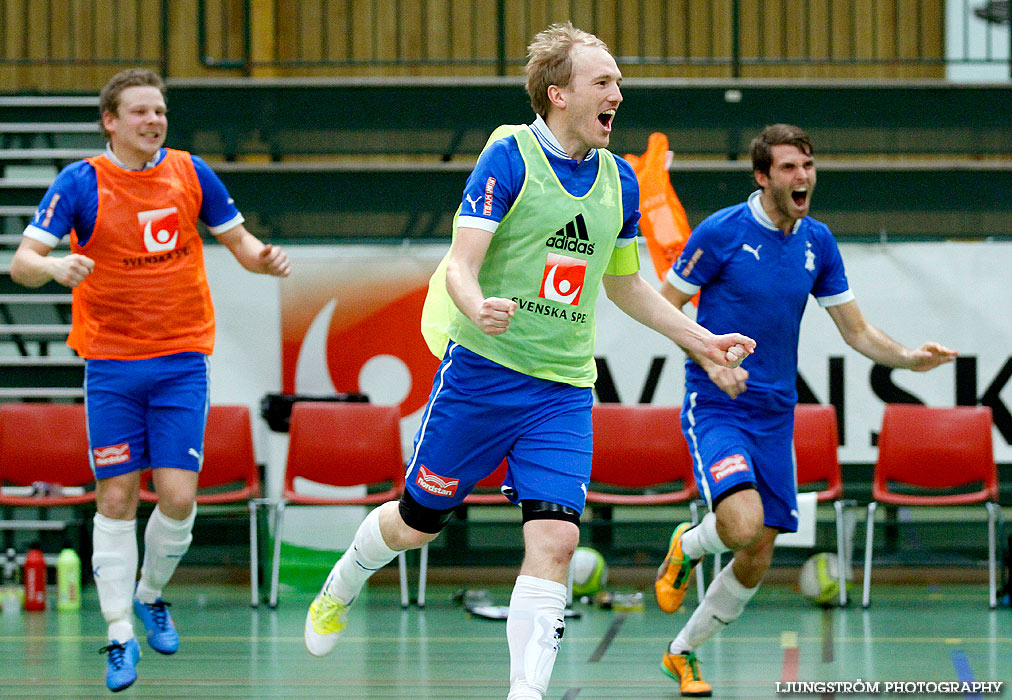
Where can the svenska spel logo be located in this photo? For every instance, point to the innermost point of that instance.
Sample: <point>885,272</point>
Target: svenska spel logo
<point>160,228</point>
<point>563,279</point>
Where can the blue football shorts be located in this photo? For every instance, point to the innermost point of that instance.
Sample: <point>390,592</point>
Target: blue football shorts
<point>480,412</point>
<point>149,412</point>
<point>733,444</point>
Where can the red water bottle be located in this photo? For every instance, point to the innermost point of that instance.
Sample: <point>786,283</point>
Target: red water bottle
<point>34,577</point>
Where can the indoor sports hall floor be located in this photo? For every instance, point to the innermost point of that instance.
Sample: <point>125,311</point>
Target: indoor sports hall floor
<point>228,650</point>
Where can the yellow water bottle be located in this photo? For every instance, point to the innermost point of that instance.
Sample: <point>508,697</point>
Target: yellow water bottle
<point>68,580</point>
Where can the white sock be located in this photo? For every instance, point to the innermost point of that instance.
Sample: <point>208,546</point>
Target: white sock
<point>534,631</point>
<point>703,538</point>
<point>368,553</point>
<point>165,542</point>
<point>114,567</point>
<point>723,603</point>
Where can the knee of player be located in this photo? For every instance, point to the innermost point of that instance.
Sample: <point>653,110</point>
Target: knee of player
<point>175,505</point>
<point>740,519</point>
<point>550,530</point>
<point>407,524</point>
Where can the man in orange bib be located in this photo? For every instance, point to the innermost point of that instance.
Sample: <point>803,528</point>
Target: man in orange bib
<point>143,321</point>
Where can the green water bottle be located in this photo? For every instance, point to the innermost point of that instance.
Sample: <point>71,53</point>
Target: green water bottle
<point>68,580</point>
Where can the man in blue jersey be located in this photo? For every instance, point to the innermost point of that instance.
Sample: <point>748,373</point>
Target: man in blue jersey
<point>755,265</point>
<point>546,216</point>
<point>144,322</point>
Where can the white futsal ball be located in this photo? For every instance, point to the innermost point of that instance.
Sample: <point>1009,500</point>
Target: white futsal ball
<point>819,579</point>
<point>590,572</point>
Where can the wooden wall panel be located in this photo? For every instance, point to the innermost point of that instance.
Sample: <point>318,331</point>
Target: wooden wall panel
<point>679,38</point>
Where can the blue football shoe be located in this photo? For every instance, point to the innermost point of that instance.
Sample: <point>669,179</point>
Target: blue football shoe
<point>121,666</point>
<point>161,631</point>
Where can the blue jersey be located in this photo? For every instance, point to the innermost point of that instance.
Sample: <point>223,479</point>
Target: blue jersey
<point>71,202</point>
<point>498,176</point>
<point>755,280</point>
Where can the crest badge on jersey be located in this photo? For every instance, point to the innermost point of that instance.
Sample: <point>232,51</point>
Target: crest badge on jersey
<point>563,279</point>
<point>160,228</point>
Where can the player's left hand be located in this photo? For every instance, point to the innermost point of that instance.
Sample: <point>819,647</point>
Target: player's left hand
<point>931,355</point>
<point>273,261</point>
<point>730,349</point>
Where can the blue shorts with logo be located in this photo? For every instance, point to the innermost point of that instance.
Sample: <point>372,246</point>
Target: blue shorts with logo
<point>479,412</point>
<point>149,412</point>
<point>735,444</point>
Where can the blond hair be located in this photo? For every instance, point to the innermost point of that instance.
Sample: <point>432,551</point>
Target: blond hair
<point>549,61</point>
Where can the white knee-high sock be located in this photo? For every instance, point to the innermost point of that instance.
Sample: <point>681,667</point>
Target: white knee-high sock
<point>703,538</point>
<point>723,603</point>
<point>534,631</point>
<point>165,542</point>
<point>114,566</point>
<point>368,553</point>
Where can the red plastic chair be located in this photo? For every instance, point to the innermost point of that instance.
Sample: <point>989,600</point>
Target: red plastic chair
<point>816,441</point>
<point>229,473</point>
<point>48,443</point>
<point>641,459</point>
<point>935,457</point>
<point>341,444</point>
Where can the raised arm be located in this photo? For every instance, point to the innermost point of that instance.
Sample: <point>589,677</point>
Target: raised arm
<point>879,347</point>
<point>254,255</point>
<point>33,266</point>
<point>639,300</point>
<point>731,380</point>
<point>491,315</point>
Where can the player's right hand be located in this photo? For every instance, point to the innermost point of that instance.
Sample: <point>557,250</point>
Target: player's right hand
<point>731,381</point>
<point>71,270</point>
<point>493,317</point>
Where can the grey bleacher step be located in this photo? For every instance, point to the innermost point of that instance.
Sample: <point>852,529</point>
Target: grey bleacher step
<point>21,361</point>
<point>43,101</point>
<point>41,393</point>
<point>48,153</point>
<point>46,330</point>
<point>29,298</point>
<point>49,128</point>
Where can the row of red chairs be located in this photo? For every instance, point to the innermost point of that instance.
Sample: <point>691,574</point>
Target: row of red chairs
<point>640,458</point>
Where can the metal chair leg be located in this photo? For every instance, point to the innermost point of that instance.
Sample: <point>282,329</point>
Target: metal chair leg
<point>844,544</point>
<point>423,572</point>
<point>992,572</point>
<point>868,543</point>
<point>279,512</point>
<point>254,557</point>
<point>402,570</point>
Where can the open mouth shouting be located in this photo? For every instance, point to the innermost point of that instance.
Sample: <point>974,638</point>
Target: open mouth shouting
<point>799,196</point>
<point>606,118</point>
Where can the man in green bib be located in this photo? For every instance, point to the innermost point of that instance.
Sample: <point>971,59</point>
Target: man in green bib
<point>547,215</point>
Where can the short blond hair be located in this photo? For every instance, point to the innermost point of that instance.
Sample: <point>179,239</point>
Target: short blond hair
<point>549,61</point>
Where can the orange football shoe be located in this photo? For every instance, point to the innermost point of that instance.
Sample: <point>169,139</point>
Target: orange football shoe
<point>684,668</point>
<point>674,574</point>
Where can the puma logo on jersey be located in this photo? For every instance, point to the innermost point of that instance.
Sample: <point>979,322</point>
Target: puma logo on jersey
<point>749,249</point>
<point>539,181</point>
<point>473,203</point>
